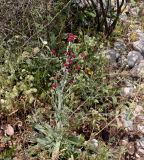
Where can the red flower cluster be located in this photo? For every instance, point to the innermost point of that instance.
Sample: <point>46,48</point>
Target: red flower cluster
<point>54,86</point>
<point>78,67</point>
<point>69,61</point>
<point>71,37</point>
<point>66,65</point>
<point>69,53</point>
<point>70,57</point>
<point>53,52</point>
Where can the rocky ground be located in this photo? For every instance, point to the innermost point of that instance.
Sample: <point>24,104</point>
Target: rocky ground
<point>127,57</point>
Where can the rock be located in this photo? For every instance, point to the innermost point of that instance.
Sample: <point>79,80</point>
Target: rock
<point>139,46</point>
<point>112,55</point>
<point>138,70</point>
<point>9,130</point>
<point>140,34</point>
<point>138,157</point>
<point>124,142</point>
<point>128,124</point>
<point>122,60</point>
<point>140,128</point>
<point>134,11</point>
<point>94,142</point>
<point>128,91</point>
<point>119,45</point>
<point>140,146</point>
<point>141,9</point>
<point>134,57</point>
<point>91,144</point>
<point>131,148</point>
<point>129,83</point>
<point>140,142</point>
<point>141,151</point>
<point>123,18</point>
<point>140,117</point>
<point>137,112</point>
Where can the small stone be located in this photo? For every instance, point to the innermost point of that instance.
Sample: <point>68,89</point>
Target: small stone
<point>128,124</point>
<point>134,57</point>
<point>138,110</point>
<point>141,151</point>
<point>91,144</point>
<point>140,128</point>
<point>119,45</point>
<point>134,11</point>
<point>140,118</point>
<point>139,46</point>
<point>129,84</point>
<point>124,142</point>
<point>112,55</point>
<point>94,142</point>
<point>138,70</point>
<point>131,148</point>
<point>128,91</point>
<point>141,10</point>
<point>122,60</point>
<point>137,156</point>
<point>123,17</point>
<point>140,142</point>
<point>140,34</point>
<point>9,130</point>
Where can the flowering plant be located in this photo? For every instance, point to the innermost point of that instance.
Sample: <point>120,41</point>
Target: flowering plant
<point>71,37</point>
<point>69,63</point>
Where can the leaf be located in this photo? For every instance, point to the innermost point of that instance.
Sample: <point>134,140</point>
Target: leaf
<point>76,140</point>
<point>45,129</point>
<point>55,153</point>
<point>43,141</point>
<point>90,14</point>
<point>9,130</point>
<point>114,100</point>
<point>40,128</point>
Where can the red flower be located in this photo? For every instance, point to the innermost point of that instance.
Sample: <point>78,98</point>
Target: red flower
<point>69,61</point>
<point>71,37</point>
<point>72,81</point>
<point>66,64</point>
<point>68,53</point>
<point>78,67</point>
<point>53,52</point>
<point>72,55</point>
<point>54,86</point>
